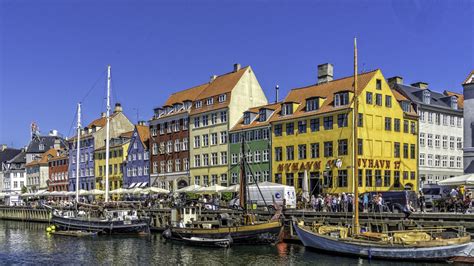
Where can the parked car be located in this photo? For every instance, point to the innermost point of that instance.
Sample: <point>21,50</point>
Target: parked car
<point>434,193</point>
<point>393,201</point>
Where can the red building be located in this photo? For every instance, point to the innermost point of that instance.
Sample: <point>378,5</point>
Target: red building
<point>58,172</point>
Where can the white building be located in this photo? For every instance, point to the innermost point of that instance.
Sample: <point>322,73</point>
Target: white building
<point>14,178</point>
<point>441,130</point>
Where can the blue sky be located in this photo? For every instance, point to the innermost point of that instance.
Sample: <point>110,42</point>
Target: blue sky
<point>52,52</point>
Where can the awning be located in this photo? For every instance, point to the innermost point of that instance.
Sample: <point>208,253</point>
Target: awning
<point>144,184</point>
<point>458,180</point>
<point>132,185</point>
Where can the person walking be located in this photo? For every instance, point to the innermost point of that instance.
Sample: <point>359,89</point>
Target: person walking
<point>422,201</point>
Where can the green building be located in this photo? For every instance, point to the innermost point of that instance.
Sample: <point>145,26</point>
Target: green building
<point>254,126</point>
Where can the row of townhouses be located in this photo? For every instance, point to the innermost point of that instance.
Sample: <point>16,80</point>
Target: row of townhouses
<point>408,136</point>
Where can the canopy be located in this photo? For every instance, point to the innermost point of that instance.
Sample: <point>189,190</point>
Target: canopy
<point>191,188</point>
<point>42,193</point>
<point>58,193</point>
<point>71,193</point>
<point>94,192</point>
<point>83,192</point>
<point>155,190</point>
<point>234,188</point>
<point>212,189</point>
<point>134,191</point>
<point>266,184</point>
<point>2,195</point>
<point>458,180</point>
<point>119,191</point>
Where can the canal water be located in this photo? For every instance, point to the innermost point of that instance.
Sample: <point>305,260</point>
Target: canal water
<point>28,243</point>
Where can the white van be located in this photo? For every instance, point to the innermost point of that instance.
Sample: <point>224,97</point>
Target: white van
<point>270,192</point>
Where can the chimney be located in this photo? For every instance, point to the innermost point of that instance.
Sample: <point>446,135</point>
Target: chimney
<point>102,114</point>
<point>276,93</point>
<point>57,144</point>
<point>141,123</point>
<point>3,147</point>
<point>236,67</point>
<point>325,73</point>
<point>118,108</point>
<point>213,77</point>
<point>420,85</point>
<point>394,81</point>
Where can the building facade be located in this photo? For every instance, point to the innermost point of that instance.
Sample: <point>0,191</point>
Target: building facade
<point>58,172</point>
<point>92,138</point>
<point>117,155</point>
<point>254,129</point>
<point>217,109</point>
<point>312,134</point>
<point>468,92</point>
<point>440,130</point>
<point>37,172</point>
<point>13,175</point>
<point>137,164</point>
<point>40,144</point>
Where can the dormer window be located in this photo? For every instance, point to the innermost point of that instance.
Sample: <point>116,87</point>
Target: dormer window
<point>222,98</point>
<point>426,97</point>
<point>341,99</point>
<point>454,102</point>
<point>247,118</point>
<point>187,105</point>
<point>210,101</point>
<point>262,115</point>
<point>406,106</point>
<point>41,147</point>
<point>312,104</point>
<point>198,104</point>
<point>287,108</point>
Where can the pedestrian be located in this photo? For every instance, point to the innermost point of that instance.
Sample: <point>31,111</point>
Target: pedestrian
<point>422,201</point>
<point>407,210</point>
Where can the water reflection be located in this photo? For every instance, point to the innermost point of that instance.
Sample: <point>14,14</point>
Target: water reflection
<point>28,243</point>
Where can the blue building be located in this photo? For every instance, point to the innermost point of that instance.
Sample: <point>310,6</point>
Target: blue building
<point>93,137</point>
<point>137,165</point>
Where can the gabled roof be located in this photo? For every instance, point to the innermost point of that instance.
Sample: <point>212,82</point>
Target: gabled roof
<point>324,90</point>
<point>19,158</point>
<point>415,95</point>
<point>127,134</point>
<point>143,134</point>
<point>187,94</point>
<point>469,78</point>
<point>459,95</point>
<point>44,158</point>
<point>101,121</point>
<point>47,141</point>
<point>398,96</point>
<point>8,154</point>
<point>222,84</point>
<point>255,123</point>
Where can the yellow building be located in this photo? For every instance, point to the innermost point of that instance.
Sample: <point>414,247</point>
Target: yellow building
<point>313,133</point>
<point>117,155</point>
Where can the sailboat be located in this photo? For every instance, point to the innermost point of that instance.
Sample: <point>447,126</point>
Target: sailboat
<point>426,244</point>
<point>99,218</point>
<point>188,227</point>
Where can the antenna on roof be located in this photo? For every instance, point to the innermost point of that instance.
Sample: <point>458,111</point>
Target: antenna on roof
<point>276,93</point>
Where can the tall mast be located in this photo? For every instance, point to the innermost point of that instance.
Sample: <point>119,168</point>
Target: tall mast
<point>78,148</point>
<point>243,178</point>
<point>107,137</point>
<point>355,182</point>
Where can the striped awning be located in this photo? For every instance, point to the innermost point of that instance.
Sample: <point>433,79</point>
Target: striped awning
<point>144,184</point>
<point>132,185</point>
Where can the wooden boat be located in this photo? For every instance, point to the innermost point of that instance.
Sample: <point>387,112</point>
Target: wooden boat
<point>246,229</point>
<point>74,233</point>
<point>208,242</point>
<point>425,244</point>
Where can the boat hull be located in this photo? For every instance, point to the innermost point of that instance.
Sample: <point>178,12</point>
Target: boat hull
<point>107,227</point>
<point>388,252</point>
<point>265,233</point>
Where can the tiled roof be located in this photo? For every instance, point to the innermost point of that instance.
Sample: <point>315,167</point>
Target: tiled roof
<point>101,121</point>
<point>459,95</point>
<point>127,135</point>
<point>255,123</point>
<point>324,90</point>
<point>19,158</point>
<point>8,154</point>
<point>47,141</point>
<point>188,94</point>
<point>144,134</point>
<point>44,158</point>
<point>399,96</point>
<point>415,95</point>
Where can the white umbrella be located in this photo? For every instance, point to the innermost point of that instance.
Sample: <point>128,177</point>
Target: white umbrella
<point>135,191</point>
<point>71,193</point>
<point>24,195</point>
<point>83,192</point>
<point>155,190</point>
<point>191,188</point>
<point>58,193</point>
<point>212,189</point>
<point>458,180</point>
<point>305,186</point>
<point>95,192</point>
<point>266,184</point>
<point>234,188</point>
<point>41,193</point>
<point>119,191</point>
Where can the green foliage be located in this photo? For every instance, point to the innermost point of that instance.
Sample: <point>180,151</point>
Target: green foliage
<point>23,189</point>
<point>227,196</point>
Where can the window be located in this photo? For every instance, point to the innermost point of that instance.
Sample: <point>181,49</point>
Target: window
<point>368,177</point>
<point>185,144</point>
<point>405,126</point>
<point>213,138</point>
<point>266,176</point>
<point>222,98</point>
<point>287,108</point>
<point>388,101</point>
<point>437,118</point>
<point>405,106</point>
<point>169,166</point>
<point>197,122</point>
<point>430,159</point>
<point>342,178</point>
<point>430,140</point>
<point>185,123</point>
<point>209,101</point>
<point>378,84</point>
<point>378,99</point>
<point>412,151</point>
<point>312,104</point>
<point>378,178</point>
<point>265,155</point>
<point>302,126</point>
<point>213,118</point>
<point>328,122</point>
<point>328,179</point>
<point>223,178</point>
<point>223,116</point>
<point>328,149</point>
<point>341,99</point>
<point>422,115</point>
<point>185,164</point>
<point>234,178</point>
<point>445,142</point>
<point>223,137</point>
<point>214,158</point>
<point>388,123</point>
<point>162,166</point>
<point>155,167</point>
<point>368,97</point>
<point>205,159</point>
<point>257,157</point>
<point>278,154</point>
<point>405,150</point>
<point>451,121</point>
<point>314,124</point>
<point>314,150</point>
<point>451,161</point>
<point>145,169</point>
<point>426,97</point>
<point>397,149</point>
<point>360,147</point>
<point>197,141</point>
<point>405,175</point>
<point>262,115</point>
<point>437,141</point>
<point>290,128</point>
<point>169,147</point>
<point>205,140</point>
<point>265,133</point>
<point>197,180</point>
<point>412,175</point>
<point>412,128</point>
<point>234,158</point>
<point>177,145</point>
<point>177,165</point>
<point>360,120</point>
<point>396,125</point>
<point>342,120</point>
<point>451,143</point>
<point>154,149</point>
<point>205,120</point>
<point>459,162</point>
<point>444,161</point>
<point>342,147</point>
<point>302,152</point>
<point>422,159</point>
<point>246,118</point>
<point>278,130</point>
<point>459,143</point>
<point>290,153</point>
<point>459,122</point>
<point>197,160</point>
